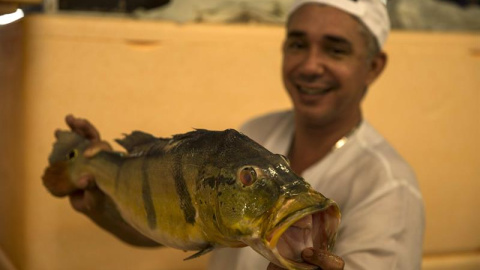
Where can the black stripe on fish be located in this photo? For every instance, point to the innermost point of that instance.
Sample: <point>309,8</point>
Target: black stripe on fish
<point>147,197</point>
<point>117,159</point>
<point>212,182</point>
<point>118,176</point>
<point>186,205</point>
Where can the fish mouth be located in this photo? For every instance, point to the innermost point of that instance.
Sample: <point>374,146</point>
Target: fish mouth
<point>312,228</point>
<point>308,225</point>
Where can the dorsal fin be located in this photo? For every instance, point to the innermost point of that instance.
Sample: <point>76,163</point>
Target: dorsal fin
<point>139,143</point>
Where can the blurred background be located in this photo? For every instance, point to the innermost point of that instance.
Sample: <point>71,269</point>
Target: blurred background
<point>166,67</point>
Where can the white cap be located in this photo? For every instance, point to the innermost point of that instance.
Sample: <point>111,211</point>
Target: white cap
<point>373,13</point>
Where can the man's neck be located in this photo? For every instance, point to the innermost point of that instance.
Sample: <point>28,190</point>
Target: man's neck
<point>312,143</point>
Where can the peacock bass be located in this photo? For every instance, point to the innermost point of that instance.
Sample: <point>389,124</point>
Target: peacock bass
<point>203,190</point>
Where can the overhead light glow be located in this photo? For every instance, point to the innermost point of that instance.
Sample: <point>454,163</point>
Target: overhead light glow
<point>9,18</point>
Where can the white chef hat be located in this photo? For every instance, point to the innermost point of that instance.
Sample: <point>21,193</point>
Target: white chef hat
<point>373,13</point>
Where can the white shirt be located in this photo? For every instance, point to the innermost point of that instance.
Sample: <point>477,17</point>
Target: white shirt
<point>382,209</point>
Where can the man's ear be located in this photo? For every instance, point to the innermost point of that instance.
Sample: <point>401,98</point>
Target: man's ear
<point>376,66</point>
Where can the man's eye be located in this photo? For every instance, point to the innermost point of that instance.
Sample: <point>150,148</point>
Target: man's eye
<point>295,45</point>
<point>337,51</point>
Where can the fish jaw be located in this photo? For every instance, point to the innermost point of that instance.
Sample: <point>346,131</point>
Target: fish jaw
<point>294,230</point>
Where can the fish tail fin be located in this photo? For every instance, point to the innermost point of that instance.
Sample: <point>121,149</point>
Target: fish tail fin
<point>66,149</point>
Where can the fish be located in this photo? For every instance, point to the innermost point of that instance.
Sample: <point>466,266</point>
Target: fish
<point>203,190</point>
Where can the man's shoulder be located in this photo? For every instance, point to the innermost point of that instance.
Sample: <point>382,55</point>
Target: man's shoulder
<point>382,159</point>
<point>260,127</point>
<point>374,144</point>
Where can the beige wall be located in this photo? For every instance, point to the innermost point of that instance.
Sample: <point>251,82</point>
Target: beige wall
<point>428,105</point>
<point>165,78</point>
<point>12,178</point>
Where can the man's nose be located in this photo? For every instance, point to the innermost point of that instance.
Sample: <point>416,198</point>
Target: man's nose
<point>313,65</point>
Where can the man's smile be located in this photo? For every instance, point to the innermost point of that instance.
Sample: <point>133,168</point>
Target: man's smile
<point>315,90</point>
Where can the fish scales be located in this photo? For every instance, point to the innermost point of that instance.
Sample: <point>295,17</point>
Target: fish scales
<point>205,189</point>
<point>159,195</point>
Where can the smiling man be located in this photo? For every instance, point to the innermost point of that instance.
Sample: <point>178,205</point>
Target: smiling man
<point>332,53</point>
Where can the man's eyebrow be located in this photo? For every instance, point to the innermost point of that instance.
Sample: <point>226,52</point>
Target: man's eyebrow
<point>331,38</point>
<point>295,34</point>
<point>337,39</point>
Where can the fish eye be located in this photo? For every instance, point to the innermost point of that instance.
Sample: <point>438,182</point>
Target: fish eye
<point>72,154</point>
<point>247,176</point>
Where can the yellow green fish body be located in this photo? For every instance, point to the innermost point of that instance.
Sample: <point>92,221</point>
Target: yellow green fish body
<point>203,190</point>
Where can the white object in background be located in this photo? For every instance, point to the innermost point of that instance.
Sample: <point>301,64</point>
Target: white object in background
<point>9,18</point>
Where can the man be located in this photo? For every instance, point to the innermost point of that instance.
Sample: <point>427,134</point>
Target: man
<point>331,55</point>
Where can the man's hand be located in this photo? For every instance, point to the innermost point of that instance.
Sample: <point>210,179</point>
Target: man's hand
<point>85,129</point>
<point>321,258</point>
<point>88,199</point>
<point>85,197</point>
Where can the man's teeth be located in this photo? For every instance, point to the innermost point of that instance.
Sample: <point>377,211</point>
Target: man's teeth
<point>313,91</point>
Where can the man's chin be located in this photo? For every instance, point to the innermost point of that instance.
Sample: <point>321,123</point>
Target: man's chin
<point>312,115</point>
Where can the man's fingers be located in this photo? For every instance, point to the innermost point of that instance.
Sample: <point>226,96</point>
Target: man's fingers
<point>322,258</point>
<point>55,184</point>
<point>273,266</point>
<point>77,200</point>
<point>96,147</point>
<point>87,201</point>
<point>61,187</point>
<point>86,182</point>
<point>83,127</point>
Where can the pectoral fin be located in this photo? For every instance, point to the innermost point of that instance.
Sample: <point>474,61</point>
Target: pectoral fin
<point>200,253</point>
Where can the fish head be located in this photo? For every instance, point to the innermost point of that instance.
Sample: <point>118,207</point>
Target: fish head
<point>257,200</point>
<point>64,162</point>
<point>233,200</point>
<point>303,220</point>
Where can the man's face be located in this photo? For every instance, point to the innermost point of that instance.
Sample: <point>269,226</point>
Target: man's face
<point>325,66</point>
